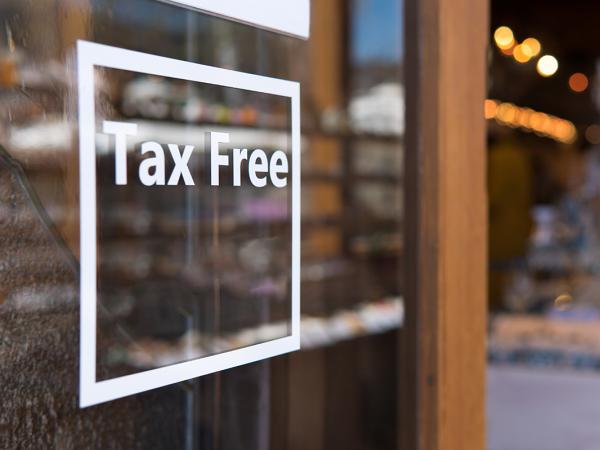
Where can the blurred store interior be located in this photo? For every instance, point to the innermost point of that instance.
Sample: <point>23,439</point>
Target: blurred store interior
<point>160,267</point>
<point>543,112</point>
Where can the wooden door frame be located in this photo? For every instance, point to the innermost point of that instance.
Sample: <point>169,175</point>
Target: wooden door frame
<point>442,343</point>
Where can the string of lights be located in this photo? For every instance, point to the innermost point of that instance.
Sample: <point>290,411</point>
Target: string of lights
<point>529,120</point>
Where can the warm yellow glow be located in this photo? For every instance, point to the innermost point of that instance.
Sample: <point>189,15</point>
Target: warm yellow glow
<point>570,137</point>
<point>538,121</point>
<point>561,128</point>
<point>547,65</point>
<point>551,127</point>
<point>504,38</point>
<point>490,107</point>
<point>506,113</point>
<point>508,51</point>
<point>520,55</point>
<point>565,131</point>
<point>578,82</point>
<point>527,119</point>
<point>531,47</point>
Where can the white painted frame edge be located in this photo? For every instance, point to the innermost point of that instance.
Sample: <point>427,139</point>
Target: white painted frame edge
<point>89,55</point>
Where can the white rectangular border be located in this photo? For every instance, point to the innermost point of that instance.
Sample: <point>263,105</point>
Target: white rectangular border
<point>90,54</point>
<point>286,16</point>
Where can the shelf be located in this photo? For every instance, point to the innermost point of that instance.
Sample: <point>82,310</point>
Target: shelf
<point>370,318</point>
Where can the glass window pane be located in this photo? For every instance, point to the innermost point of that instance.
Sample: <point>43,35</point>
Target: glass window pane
<point>189,271</point>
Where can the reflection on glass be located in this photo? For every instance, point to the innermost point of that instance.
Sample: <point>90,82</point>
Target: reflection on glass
<point>189,272</point>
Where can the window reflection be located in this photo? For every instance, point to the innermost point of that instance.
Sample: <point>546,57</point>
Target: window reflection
<point>161,248</point>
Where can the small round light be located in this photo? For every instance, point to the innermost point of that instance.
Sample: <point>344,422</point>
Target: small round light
<point>538,121</point>
<point>519,55</point>
<point>578,82</point>
<point>506,113</point>
<point>592,134</point>
<point>504,38</point>
<point>547,65</point>
<point>531,47</point>
<point>566,133</point>
<point>525,117</point>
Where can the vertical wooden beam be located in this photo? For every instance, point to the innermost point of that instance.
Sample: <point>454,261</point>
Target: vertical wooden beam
<point>463,225</point>
<point>442,347</point>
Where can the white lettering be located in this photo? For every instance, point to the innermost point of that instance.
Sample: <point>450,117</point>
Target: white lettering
<point>181,168</point>
<point>152,169</point>
<point>278,164</point>
<point>157,162</point>
<point>255,166</point>
<point>216,159</point>
<point>120,130</point>
<point>238,157</point>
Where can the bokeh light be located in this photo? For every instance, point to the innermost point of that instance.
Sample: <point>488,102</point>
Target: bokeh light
<point>547,65</point>
<point>527,119</point>
<point>578,82</point>
<point>519,54</point>
<point>508,51</point>
<point>531,47</point>
<point>504,38</point>
<point>592,134</point>
<point>489,108</point>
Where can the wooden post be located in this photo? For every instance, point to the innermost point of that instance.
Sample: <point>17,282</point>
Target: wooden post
<point>442,345</point>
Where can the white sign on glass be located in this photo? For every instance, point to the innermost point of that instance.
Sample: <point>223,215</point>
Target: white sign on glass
<point>285,16</point>
<point>181,168</point>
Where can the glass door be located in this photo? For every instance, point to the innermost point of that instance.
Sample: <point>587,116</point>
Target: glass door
<point>184,273</point>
